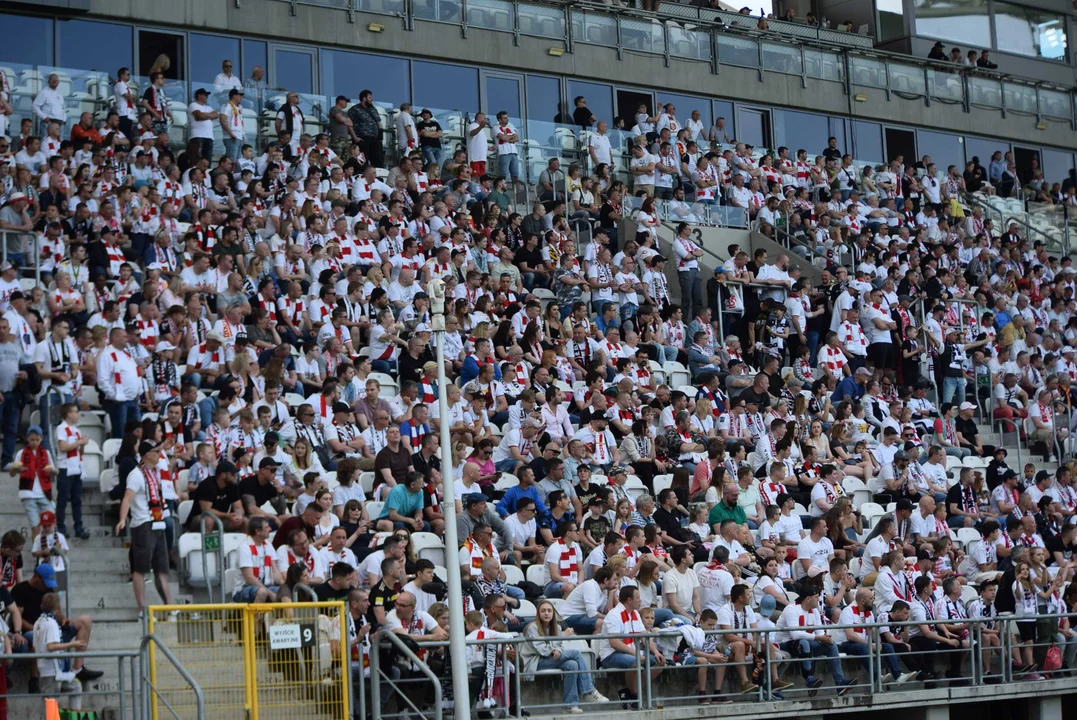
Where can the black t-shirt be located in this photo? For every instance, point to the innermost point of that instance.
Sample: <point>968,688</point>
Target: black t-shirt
<point>384,597</point>
<point>410,368</point>
<point>29,601</point>
<point>326,593</point>
<point>261,493</point>
<point>421,465</point>
<point>604,219</point>
<point>596,526</point>
<point>668,522</point>
<point>584,496</point>
<point>1054,544</point>
<point>533,258</point>
<point>221,499</point>
<point>430,124</point>
<point>582,116</point>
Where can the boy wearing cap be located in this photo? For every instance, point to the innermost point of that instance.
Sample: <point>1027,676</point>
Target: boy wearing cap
<point>35,470</point>
<point>50,546</point>
<point>144,499</point>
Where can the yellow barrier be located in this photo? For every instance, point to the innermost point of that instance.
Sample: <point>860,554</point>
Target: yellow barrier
<point>253,662</point>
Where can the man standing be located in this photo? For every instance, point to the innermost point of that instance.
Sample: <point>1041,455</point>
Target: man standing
<point>11,406</point>
<point>688,254</point>
<point>144,499</point>
<point>231,119</point>
<point>508,160</point>
<point>367,125</point>
<point>477,145</point>
<point>49,103</point>
<point>118,377</point>
<point>341,132</point>
<point>201,122</point>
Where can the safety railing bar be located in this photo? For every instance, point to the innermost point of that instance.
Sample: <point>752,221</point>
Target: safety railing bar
<point>161,698</point>
<point>393,685</point>
<point>406,651</point>
<point>199,697</point>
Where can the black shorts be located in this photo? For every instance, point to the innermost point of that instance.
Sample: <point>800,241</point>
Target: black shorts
<point>882,354</point>
<point>149,550</point>
<point>1027,630</point>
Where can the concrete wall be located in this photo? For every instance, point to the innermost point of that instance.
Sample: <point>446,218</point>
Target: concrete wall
<point>329,27</point>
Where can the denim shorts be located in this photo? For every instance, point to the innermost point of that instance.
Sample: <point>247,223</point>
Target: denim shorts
<point>246,595</point>
<point>34,507</point>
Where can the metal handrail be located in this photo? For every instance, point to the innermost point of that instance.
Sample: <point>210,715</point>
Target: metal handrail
<point>375,672</point>
<point>121,656</point>
<point>200,700</point>
<point>1030,231</point>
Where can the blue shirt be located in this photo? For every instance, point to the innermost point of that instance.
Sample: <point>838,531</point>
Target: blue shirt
<point>847,389</point>
<point>994,170</point>
<point>1002,319</point>
<point>405,503</point>
<point>507,505</point>
<point>470,370</point>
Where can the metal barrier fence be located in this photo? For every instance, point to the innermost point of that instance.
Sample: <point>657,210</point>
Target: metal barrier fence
<point>252,662</point>
<point>985,650</point>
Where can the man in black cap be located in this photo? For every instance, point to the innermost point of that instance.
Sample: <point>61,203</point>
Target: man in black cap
<point>261,488</point>
<point>937,52</point>
<point>201,122</point>
<point>477,511</point>
<point>144,499</point>
<point>220,498</point>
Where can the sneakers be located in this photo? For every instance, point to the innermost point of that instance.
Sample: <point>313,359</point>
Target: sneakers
<point>1034,676</point>
<point>749,687</point>
<point>844,686</point>
<point>813,684</point>
<point>86,674</point>
<point>888,678</point>
<point>721,699</point>
<point>776,696</point>
<point>704,699</point>
<point>575,710</point>
<point>906,677</point>
<point>594,696</point>
<point>782,685</point>
<point>622,695</point>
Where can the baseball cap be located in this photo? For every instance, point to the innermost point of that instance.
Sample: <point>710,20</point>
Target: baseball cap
<point>815,571</point>
<point>341,407</point>
<point>214,335</point>
<point>967,406</point>
<point>234,91</point>
<point>34,430</point>
<point>901,455</point>
<point>272,436</point>
<point>767,606</point>
<point>863,371</point>
<point>146,446</point>
<point>473,499</point>
<point>165,345</point>
<point>48,518</point>
<point>47,575</point>
<point>224,466</point>
<point>268,462</point>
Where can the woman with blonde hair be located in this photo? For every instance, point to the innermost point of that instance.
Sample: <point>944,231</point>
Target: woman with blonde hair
<point>303,460</point>
<point>703,418</point>
<point>375,278</point>
<point>539,653</point>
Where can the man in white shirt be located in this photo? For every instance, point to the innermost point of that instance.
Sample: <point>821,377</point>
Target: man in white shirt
<point>118,378</point>
<point>200,121</point>
<point>715,582</point>
<point>802,633</point>
<point>858,643</point>
<point>126,103</point>
<point>521,529</point>
<point>49,103</point>
<point>515,449</point>
<point>564,561</point>
<point>478,145</point>
<point>259,577</point>
<point>144,499</point>
<point>55,676</point>
<point>816,549</point>
<point>233,124</point>
<point>226,81</point>
<point>508,158</point>
<point>619,653</point>
<point>407,137</point>
<point>598,146</point>
<point>776,275</point>
<point>585,607</point>
<point>642,169</point>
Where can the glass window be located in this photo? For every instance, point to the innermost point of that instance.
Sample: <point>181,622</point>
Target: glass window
<point>836,126</point>
<point>348,73</point>
<point>891,23</point>
<point>503,93</point>
<point>867,142</point>
<point>543,99</point>
<point>1056,165</point>
<point>293,70</point>
<point>95,46</point>
<point>27,41</point>
<point>685,104</point>
<point>723,109</point>
<point>254,53</point>
<point>798,130</point>
<point>446,87</point>
<point>983,149</point>
<point>208,52</point>
<point>1028,31</point>
<point>961,21</point>
<point>754,128</point>
<point>945,150</point>
<point>599,98</point>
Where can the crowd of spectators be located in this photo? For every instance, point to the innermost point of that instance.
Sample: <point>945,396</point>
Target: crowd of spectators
<point>259,318</point>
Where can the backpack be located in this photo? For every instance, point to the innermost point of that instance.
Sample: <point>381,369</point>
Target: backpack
<point>1053,659</point>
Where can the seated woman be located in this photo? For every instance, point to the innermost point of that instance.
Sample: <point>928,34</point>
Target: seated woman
<point>539,653</point>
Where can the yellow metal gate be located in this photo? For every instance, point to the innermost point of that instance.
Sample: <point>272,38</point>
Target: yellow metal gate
<point>252,662</point>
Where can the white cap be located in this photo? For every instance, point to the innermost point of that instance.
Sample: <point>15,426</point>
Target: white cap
<point>967,406</point>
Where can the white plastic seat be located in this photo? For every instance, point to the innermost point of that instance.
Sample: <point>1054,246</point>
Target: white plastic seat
<point>513,574</point>
<point>366,481</point>
<point>428,546</point>
<point>537,574</point>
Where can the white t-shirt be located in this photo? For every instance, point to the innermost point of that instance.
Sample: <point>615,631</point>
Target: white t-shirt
<point>514,438</point>
<point>714,587</point>
<point>405,120</point>
<point>47,630</point>
<point>255,557</point>
<point>125,108</point>
<point>682,586</point>
<point>504,147</point>
<point>519,532</point>
<point>620,622</point>
<point>199,128</point>
<point>643,161</point>
<point>601,145</point>
<point>818,552</point>
<point>477,144</point>
<point>140,506</point>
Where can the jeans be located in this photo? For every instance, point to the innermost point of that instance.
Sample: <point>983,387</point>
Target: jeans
<point>952,385</point>
<point>861,650</point>
<point>669,352</point>
<point>582,624</point>
<point>958,452</point>
<point>49,399</point>
<point>691,292</point>
<point>577,681</point>
<point>432,155</point>
<point>383,366</point>
<point>813,345</point>
<point>10,410</point>
<point>205,146</point>
<point>119,412</point>
<point>809,649</point>
<point>206,408</point>
<point>628,312</point>
<point>508,166</point>
<point>68,488</point>
<point>232,147</point>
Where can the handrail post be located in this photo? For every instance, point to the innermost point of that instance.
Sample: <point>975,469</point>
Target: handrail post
<point>200,699</point>
<point>375,679</point>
